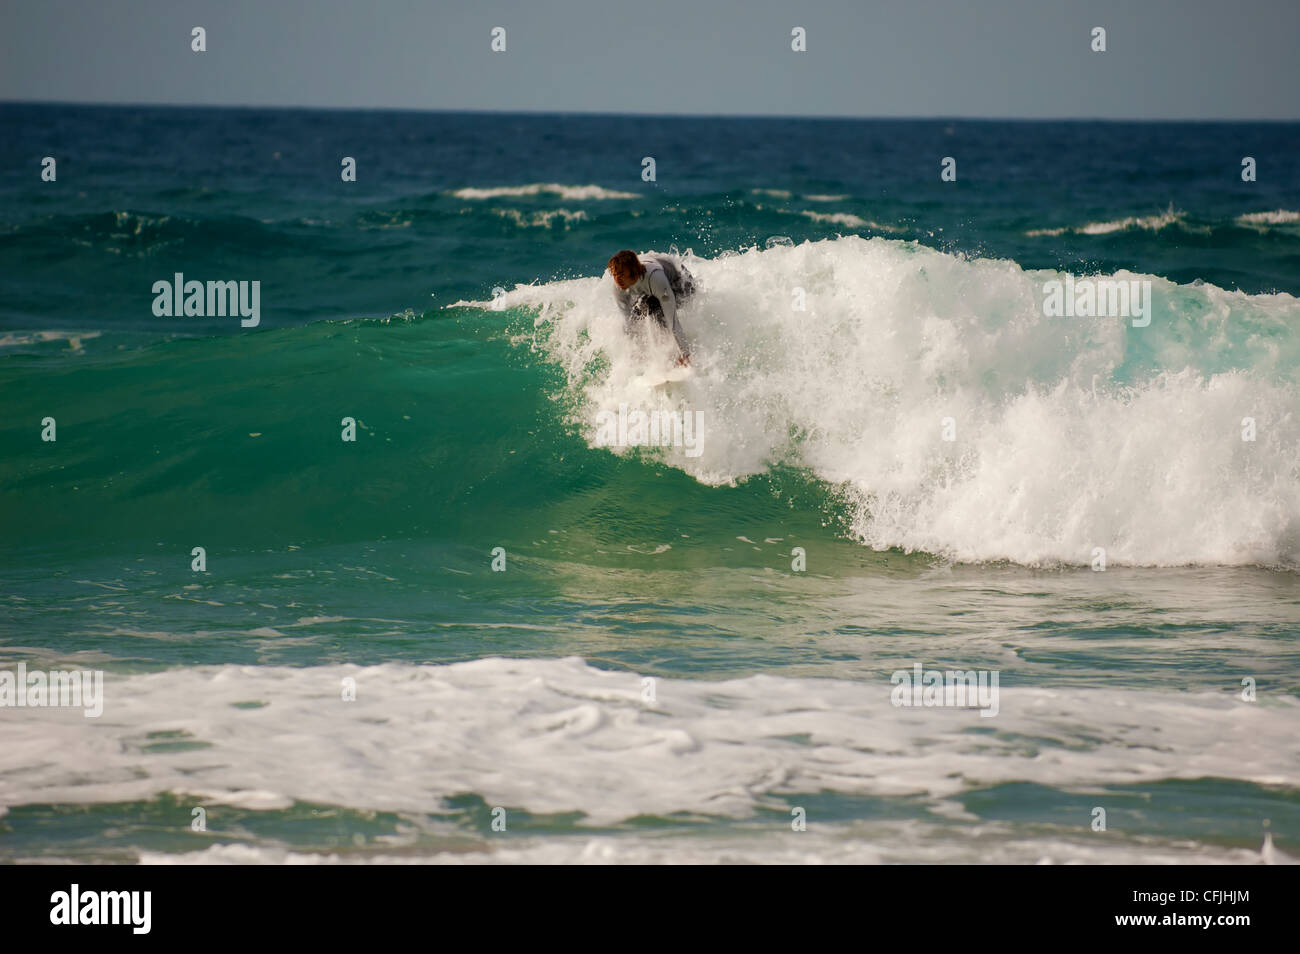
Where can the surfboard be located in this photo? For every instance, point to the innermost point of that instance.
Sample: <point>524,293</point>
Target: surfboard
<point>658,378</point>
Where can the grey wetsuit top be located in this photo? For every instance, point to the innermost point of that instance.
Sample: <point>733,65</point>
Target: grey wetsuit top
<point>663,281</point>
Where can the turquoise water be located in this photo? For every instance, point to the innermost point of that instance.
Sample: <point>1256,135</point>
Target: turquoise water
<point>651,678</point>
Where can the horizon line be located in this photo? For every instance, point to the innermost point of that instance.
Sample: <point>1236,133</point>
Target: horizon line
<point>596,113</point>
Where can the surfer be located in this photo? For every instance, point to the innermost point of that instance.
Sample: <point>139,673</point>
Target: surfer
<point>652,286</point>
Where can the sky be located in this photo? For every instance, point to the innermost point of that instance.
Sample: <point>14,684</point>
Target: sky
<point>1017,59</point>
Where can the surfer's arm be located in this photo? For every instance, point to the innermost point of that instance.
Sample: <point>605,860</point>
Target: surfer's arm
<point>660,288</point>
<point>624,301</point>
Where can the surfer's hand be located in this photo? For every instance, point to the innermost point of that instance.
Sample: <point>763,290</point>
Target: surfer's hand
<point>684,361</point>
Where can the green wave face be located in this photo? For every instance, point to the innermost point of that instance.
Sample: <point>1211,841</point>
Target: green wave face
<point>461,440</point>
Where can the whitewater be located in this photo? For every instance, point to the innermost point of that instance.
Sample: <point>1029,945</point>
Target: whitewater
<point>1068,434</point>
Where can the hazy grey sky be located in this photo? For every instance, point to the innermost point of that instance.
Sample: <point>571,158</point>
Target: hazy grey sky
<point>1166,59</point>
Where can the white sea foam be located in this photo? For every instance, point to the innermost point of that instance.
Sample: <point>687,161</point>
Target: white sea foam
<point>1070,434</point>
<point>576,193</point>
<point>24,339</point>
<point>1263,220</point>
<point>545,218</point>
<point>1151,223</point>
<point>558,736</point>
<point>823,843</point>
<point>848,219</point>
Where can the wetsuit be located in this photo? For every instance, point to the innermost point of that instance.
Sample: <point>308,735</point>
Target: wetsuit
<point>657,294</point>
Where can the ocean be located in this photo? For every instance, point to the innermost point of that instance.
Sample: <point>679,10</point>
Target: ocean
<point>500,625</point>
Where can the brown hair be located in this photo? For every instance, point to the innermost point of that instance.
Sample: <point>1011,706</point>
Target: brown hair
<point>625,267</point>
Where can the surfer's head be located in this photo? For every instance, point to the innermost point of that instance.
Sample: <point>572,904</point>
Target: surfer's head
<point>626,268</point>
